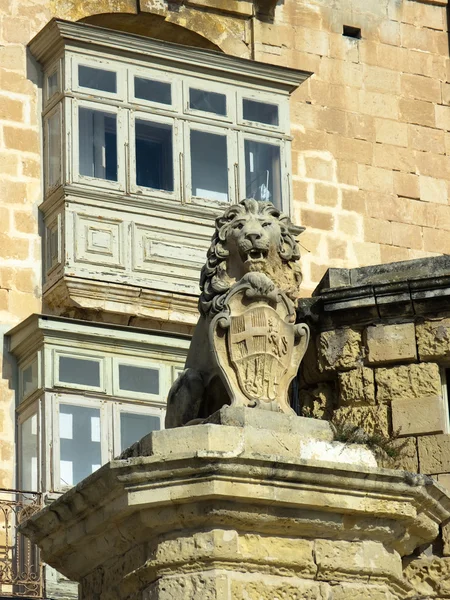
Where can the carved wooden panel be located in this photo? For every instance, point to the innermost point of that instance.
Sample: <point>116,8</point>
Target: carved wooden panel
<point>99,241</point>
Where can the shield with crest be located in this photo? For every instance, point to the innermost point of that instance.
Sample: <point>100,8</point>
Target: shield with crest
<point>260,347</point>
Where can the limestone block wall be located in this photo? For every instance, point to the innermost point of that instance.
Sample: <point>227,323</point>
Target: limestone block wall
<point>387,378</point>
<point>391,379</point>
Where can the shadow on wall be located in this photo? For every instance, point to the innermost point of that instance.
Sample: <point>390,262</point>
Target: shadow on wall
<point>153,26</point>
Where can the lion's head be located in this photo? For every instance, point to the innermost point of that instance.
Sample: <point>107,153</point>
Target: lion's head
<point>249,236</point>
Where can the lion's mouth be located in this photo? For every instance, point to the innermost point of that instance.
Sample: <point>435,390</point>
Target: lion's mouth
<point>256,254</point>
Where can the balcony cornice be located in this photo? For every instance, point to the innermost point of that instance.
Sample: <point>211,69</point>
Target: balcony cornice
<point>58,34</point>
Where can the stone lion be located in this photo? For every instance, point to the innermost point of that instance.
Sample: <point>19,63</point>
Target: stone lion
<point>251,242</point>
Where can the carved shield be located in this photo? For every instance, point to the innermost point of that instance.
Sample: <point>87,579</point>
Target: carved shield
<point>260,347</point>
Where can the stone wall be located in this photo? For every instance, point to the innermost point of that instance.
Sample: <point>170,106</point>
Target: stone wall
<point>380,359</point>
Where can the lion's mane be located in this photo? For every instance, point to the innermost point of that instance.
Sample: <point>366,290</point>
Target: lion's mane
<point>214,279</point>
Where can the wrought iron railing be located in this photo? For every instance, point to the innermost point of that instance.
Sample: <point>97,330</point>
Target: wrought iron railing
<point>21,573</point>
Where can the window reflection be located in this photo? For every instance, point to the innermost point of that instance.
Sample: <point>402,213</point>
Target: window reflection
<point>80,371</point>
<point>211,102</point>
<point>97,79</point>
<point>138,379</point>
<point>260,112</point>
<point>154,155</point>
<point>263,172</point>
<point>209,167</point>
<point>54,149</point>
<point>152,90</point>
<point>98,144</point>
<point>134,427</point>
<point>80,446</point>
<point>29,453</point>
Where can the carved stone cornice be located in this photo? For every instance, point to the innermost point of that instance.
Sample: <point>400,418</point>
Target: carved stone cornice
<point>401,290</point>
<point>72,293</point>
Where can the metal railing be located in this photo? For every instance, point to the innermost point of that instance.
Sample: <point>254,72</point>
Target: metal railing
<point>21,573</point>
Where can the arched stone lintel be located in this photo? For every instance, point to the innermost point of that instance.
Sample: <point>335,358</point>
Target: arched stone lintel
<point>74,10</point>
<point>226,32</point>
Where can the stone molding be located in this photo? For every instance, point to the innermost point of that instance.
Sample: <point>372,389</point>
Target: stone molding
<point>396,290</point>
<point>227,477</point>
<point>60,33</point>
<point>72,293</point>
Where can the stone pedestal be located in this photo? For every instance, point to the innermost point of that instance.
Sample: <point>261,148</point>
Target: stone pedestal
<point>241,509</point>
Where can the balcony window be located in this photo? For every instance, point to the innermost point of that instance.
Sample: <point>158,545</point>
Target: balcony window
<point>86,392</point>
<point>186,126</point>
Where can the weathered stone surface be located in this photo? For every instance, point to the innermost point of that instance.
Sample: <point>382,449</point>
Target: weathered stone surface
<point>356,387</point>
<point>339,349</point>
<point>430,577</point>
<point>445,533</point>
<point>434,453</point>
<point>319,401</point>
<point>408,459</point>
<point>269,588</point>
<point>369,559</point>
<point>444,480</point>
<point>373,419</point>
<point>309,367</point>
<point>209,585</point>
<point>351,591</point>
<point>407,382</point>
<point>391,343</point>
<point>433,339</point>
<point>416,417</point>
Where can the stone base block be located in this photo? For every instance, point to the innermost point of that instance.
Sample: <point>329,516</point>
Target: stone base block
<point>236,512</point>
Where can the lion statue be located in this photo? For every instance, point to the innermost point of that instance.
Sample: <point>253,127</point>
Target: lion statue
<point>251,245</point>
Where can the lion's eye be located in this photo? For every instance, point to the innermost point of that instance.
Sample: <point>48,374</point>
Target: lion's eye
<point>239,226</point>
<point>267,224</point>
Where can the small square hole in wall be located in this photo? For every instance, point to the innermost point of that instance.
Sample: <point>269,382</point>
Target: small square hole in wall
<point>353,32</point>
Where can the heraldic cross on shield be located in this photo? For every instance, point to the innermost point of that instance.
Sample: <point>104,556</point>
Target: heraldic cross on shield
<point>260,345</point>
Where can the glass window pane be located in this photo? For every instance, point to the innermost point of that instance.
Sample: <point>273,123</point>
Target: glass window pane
<point>139,379</point>
<point>152,90</point>
<point>52,84</point>
<point>263,172</point>
<point>154,155</point>
<point>29,454</point>
<point>81,371</point>
<point>133,427</point>
<point>97,79</point>
<point>54,149</point>
<point>208,101</point>
<point>98,144</point>
<point>209,167</point>
<point>260,112</point>
<point>80,447</point>
<point>29,379</point>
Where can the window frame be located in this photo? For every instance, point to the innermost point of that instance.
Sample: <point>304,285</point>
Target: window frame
<point>105,439</point>
<point>57,108</point>
<point>177,151</point>
<point>232,157</point>
<point>209,85</point>
<point>22,367</point>
<point>282,102</point>
<point>148,398</point>
<point>163,77</point>
<point>121,407</point>
<point>101,63</point>
<point>74,144</point>
<point>25,413</point>
<point>77,354</point>
<point>285,179</point>
<point>57,67</point>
